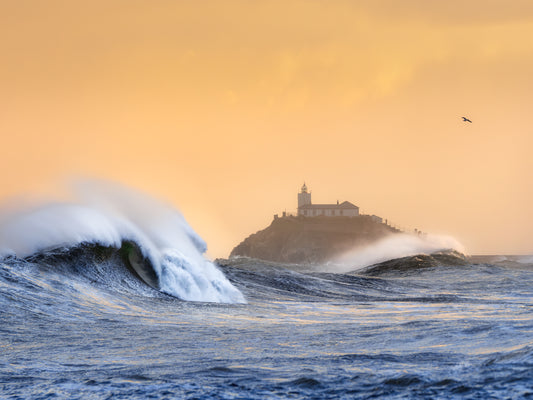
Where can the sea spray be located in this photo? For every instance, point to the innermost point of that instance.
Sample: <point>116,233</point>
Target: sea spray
<point>394,246</point>
<point>109,214</point>
<point>25,232</point>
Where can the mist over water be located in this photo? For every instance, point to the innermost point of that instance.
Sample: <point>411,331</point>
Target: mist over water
<point>108,214</point>
<point>394,246</point>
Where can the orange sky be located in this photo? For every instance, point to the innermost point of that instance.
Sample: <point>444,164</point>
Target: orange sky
<point>224,108</point>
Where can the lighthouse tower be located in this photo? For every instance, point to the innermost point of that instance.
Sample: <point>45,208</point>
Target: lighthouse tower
<point>304,197</point>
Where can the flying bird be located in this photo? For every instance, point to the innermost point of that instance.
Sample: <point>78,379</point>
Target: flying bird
<point>466,120</point>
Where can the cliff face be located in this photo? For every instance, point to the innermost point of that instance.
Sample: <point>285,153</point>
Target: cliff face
<point>311,239</point>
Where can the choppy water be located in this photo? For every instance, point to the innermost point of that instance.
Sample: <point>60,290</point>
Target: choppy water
<point>85,326</point>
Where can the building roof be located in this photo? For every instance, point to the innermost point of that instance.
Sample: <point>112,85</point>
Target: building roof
<point>343,206</point>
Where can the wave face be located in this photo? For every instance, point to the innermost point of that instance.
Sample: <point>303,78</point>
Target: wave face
<point>159,245</point>
<point>394,247</point>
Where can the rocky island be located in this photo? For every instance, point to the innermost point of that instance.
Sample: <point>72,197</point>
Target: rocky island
<point>317,233</point>
<point>298,239</point>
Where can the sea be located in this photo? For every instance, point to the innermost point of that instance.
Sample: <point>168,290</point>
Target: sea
<point>111,296</point>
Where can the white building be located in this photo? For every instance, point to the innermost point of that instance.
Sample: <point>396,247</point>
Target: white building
<point>307,209</point>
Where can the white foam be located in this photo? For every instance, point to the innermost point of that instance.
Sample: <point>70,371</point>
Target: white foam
<point>525,259</point>
<point>107,214</point>
<point>394,246</point>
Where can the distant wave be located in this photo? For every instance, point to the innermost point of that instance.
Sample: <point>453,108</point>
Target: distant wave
<point>159,244</point>
<point>411,264</point>
<point>261,280</point>
<point>394,247</point>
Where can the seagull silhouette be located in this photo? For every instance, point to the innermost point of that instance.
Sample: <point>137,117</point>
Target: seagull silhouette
<point>466,120</point>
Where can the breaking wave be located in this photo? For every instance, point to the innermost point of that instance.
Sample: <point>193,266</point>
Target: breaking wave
<point>395,247</point>
<point>415,264</point>
<point>154,239</point>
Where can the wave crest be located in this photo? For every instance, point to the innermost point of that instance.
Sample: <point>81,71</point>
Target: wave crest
<point>395,247</point>
<point>113,216</point>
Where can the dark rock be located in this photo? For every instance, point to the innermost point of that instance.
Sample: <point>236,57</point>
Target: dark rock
<point>311,239</point>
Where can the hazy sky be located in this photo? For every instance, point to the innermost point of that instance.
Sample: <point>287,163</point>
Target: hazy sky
<point>224,108</point>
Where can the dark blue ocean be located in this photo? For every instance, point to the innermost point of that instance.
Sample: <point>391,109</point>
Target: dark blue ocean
<point>81,325</point>
<point>109,296</point>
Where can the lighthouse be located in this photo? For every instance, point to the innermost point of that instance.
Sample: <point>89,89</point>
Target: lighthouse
<point>304,197</point>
